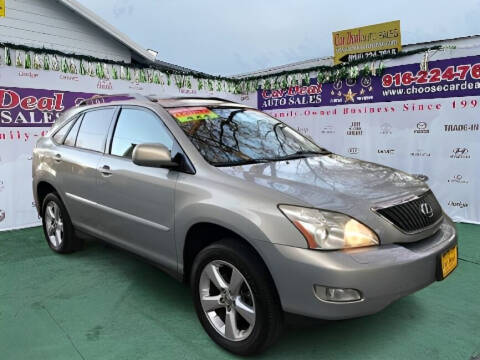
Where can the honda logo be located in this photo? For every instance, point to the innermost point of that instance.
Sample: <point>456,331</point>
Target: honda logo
<point>426,209</point>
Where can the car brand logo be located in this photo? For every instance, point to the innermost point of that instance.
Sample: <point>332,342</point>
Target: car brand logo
<point>385,129</point>
<point>328,129</point>
<point>458,179</point>
<point>426,209</point>
<point>421,177</point>
<point>460,153</point>
<point>421,128</point>
<point>355,128</point>
<point>459,204</point>
<point>386,151</point>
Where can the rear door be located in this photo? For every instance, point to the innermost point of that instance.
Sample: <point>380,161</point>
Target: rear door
<point>138,202</point>
<point>78,161</point>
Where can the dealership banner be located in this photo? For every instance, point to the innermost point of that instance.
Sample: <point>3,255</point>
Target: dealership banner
<point>30,102</point>
<point>420,121</point>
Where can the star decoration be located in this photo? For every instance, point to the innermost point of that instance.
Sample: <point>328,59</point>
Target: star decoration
<point>362,92</point>
<point>370,88</point>
<point>350,96</point>
<point>332,92</point>
<point>339,94</point>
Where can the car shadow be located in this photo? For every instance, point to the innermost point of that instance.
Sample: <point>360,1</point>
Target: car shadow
<point>160,298</point>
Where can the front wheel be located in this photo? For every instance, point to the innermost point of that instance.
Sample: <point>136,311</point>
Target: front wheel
<point>234,298</point>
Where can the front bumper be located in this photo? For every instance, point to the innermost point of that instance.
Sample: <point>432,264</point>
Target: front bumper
<point>382,274</point>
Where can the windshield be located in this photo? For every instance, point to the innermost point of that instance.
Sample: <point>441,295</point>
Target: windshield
<point>229,136</point>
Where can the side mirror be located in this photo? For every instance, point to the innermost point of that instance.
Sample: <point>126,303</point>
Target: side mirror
<point>153,155</point>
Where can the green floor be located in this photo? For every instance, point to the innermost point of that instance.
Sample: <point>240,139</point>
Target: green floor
<point>102,303</point>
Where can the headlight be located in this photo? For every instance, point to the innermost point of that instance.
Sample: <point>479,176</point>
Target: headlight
<point>327,230</point>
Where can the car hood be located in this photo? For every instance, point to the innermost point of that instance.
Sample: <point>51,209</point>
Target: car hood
<point>332,182</point>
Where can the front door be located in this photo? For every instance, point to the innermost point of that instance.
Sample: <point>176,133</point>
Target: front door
<point>137,202</point>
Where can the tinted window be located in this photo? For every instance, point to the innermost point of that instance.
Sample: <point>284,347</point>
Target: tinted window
<point>72,135</point>
<point>228,136</point>
<point>94,129</point>
<point>138,127</point>
<point>60,135</point>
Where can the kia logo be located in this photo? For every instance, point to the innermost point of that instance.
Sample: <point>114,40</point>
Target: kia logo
<point>421,125</point>
<point>426,209</point>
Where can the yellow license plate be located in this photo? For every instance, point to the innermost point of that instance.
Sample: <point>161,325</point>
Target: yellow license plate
<point>449,261</point>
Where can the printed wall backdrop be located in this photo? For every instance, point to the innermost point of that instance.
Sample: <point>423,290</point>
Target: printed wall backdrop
<point>30,101</point>
<point>420,121</point>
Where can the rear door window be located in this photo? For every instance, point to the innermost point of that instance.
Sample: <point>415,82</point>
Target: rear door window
<point>94,129</point>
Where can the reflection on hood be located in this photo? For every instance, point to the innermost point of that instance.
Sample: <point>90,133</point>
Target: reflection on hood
<point>331,181</point>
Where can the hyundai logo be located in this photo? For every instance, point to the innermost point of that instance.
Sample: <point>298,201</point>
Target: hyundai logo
<point>426,209</point>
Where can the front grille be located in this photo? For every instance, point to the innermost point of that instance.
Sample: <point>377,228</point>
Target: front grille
<point>414,215</point>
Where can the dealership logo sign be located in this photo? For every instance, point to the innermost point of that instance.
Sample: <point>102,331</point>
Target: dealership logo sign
<point>355,129</point>
<point>421,128</point>
<point>460,153</point>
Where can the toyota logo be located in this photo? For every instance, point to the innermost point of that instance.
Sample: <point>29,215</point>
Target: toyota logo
<point>426,209</point>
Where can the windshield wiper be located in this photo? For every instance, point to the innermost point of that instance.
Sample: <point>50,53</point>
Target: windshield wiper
<point>296,155</point>
<point>300,154</point>
<point>239,162</point>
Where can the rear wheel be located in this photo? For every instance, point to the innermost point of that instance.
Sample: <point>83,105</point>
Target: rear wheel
<point>57,226</point>
<point>234,297</point>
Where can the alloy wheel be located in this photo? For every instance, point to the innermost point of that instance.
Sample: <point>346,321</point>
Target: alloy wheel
<point>54,224</point>
<point>227,300</point>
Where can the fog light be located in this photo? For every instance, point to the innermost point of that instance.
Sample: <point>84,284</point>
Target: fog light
<point>337,294</point>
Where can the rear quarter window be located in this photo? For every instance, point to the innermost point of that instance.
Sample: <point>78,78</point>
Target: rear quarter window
<point>94,129</point>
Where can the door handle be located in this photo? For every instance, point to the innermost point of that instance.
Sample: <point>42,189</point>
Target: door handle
<point>105,170</point>
<point>58,158</point>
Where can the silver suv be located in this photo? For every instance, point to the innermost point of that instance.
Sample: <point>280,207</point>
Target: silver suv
<point>258,219</point>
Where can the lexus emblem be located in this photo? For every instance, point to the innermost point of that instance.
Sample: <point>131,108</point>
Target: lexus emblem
<point>426,209</point>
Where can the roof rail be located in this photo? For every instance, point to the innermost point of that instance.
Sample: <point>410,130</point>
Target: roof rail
<point>104,99</point>
<point>193,98</point>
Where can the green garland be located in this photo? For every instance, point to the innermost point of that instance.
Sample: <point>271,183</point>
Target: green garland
<point>154,72</point>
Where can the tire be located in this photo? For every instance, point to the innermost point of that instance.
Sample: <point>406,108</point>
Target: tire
<point>250,302</point>
<point>57,226</point>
